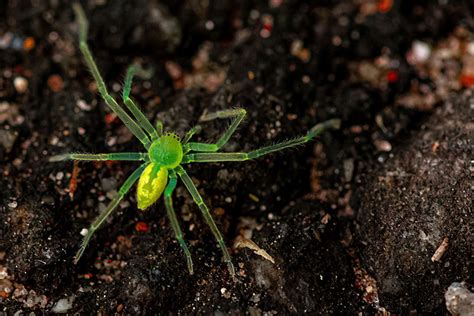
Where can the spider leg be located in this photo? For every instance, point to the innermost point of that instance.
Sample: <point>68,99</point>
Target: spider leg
<point>159,128</point>
<point>174,221</point>
<point>239,115</point>
<point>207,216</point>
<point>134,128</point>
<point>137,113</point>
<point>101,157</point>
<point>110,208</point>
<point>242,156</point>
<point>194,130</point>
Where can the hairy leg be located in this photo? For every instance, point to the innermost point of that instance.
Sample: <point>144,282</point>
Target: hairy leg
<point>134,128</point>
<point>190,133</point>
<point>110,208</point>
<point>174,221</point>
<point>101,157</point>
<point>217,157</point>
<point>137,113</point>
<point>239,115</point>
<point>207,216</point>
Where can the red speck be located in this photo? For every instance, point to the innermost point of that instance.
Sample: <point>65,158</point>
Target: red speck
<point>467,80</point>
<point>73,181</point>
<point>268,26</point>
<point>110,118</point>
<point>88,276</point>
<point>392,76</point>
<point>141,227</point>
<point>18,69</point>
<point>110,163</point>
<point>384,6</point>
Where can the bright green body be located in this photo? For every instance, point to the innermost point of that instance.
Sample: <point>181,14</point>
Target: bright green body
<point>166,153</point>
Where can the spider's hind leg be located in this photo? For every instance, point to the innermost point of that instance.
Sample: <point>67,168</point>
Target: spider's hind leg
<point>242,156</point>
<point>207,216</point>
<point>110,208</point>
<point>174,221</point>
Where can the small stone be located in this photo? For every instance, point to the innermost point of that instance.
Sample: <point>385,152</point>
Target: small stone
<point>383,145</point>
<point>13,204</point>
<point>420,52</point>
<point>7,139</point>
<point>108,184</point>
<point>63,305</point>
<point>21,84</point>
<point>55,83</point>
<point>459,300</point>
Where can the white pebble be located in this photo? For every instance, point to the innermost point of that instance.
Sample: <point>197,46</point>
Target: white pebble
<point>63,305</point>
<point>21,84</point>
<point>421,51</point>
<point>13,204</point>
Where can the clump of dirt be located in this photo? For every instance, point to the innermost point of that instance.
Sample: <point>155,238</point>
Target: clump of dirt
<point>416,213</point>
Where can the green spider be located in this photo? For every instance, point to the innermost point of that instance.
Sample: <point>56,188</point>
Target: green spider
<point>166,154</point>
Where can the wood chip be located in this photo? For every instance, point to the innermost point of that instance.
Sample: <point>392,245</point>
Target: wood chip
<point>441,250</point>
<point>241,242</point>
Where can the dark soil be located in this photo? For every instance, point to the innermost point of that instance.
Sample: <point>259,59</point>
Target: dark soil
<point>416,200</point>
<point>342,240</point>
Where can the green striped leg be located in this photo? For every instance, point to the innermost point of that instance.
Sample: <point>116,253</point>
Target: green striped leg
<point>110,208</point>
<point>207,216</point>
<point>239,115</point>
<point>196,129</point>
<point>101,157</point>
<point>134,128</point>
<point>174,221</point>
<point>217,157</point>
<point>137,113</point>
<point>159,128</point>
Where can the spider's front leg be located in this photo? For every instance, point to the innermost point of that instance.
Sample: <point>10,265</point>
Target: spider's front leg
<point>137,113</point>
<point>207,216</point>
<point>110,208</point>
<point>132,126</point>
<point>174,221</point>
<point>239,115</point>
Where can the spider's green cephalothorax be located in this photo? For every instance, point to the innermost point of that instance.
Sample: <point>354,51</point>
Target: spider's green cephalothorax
<point>166,151</point>
<point>165,157</point>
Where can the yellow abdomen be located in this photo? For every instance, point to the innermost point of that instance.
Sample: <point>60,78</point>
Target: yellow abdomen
<point>151,185</point>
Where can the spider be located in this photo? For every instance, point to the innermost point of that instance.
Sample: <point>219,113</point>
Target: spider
<point>166,154</point>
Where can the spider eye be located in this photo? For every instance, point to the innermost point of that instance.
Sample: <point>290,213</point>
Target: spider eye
<point>151,185</point>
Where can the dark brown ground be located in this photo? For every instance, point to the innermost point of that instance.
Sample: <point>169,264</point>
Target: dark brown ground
<point>321,211</point>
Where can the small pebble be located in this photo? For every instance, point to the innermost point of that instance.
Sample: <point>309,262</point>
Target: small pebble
<point>83,105</point>
<point>7,139</point>
<point>63,305</point>
<point>382,145</point>
<point>55,83</point>
<point>13,204</point>
<point>21,84</point>
<point>421,52</point>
